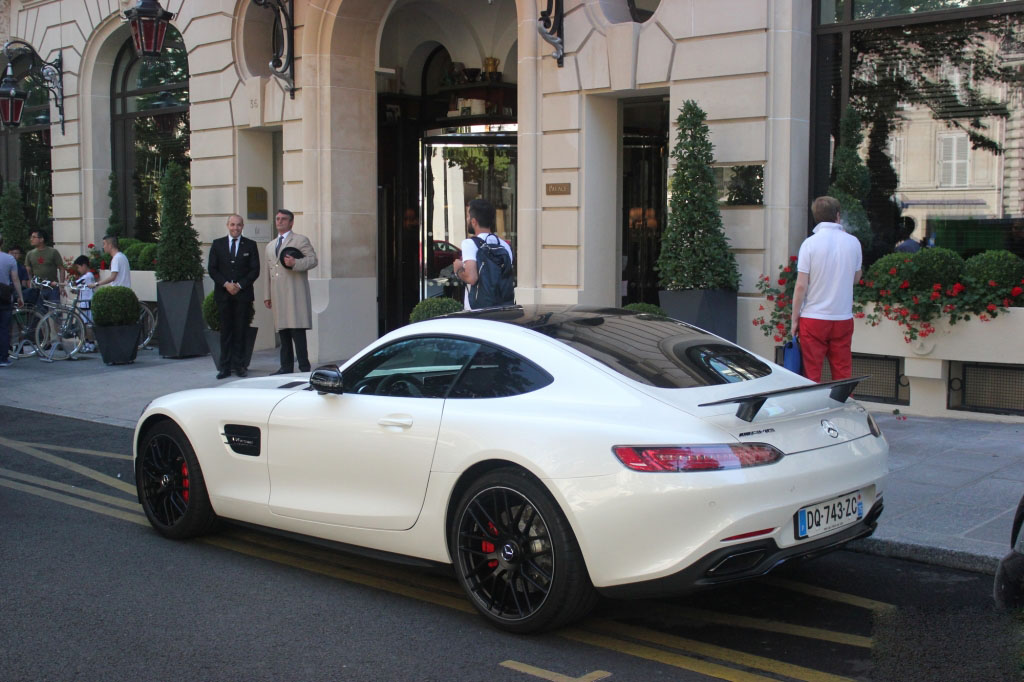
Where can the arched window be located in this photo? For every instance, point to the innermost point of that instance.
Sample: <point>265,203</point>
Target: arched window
<point>25,158</point>
<point>149,128</point>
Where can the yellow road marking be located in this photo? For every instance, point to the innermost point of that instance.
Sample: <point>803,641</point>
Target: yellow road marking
<point>770,665</point>
<point>73,466</point>
<point>63,487</point>
<point>833,595</point>
<point>75,502</point>
<point>774,626</point>
<point>432,597</point>
<point>658,655</point>
<point>552,676</point>
<point>83,451</point>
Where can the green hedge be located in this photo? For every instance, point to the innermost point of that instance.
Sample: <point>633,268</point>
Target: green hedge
<point>645,308</point>
<point>147,259</point>
<point>434,307</point>
<point>1000,266</point>
<point>211,313</point>
<point>114,307</point>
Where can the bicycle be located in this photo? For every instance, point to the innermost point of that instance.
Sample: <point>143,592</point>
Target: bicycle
<point>148,322</point>
<point>61,333</point>
<point>24,322</point>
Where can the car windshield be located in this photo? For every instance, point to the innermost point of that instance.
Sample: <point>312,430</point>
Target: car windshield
<point>653,350</point>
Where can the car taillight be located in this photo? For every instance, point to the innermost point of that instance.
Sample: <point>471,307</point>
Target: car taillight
<point>697,457</point>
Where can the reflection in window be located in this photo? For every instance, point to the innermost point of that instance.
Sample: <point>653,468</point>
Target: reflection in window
<point>150,128</point>
<point>943,123</point>
<point>872,9</point>
<point>25,158</point>
<point>740,185</point>
<point>496,373</point>
<point>419,367</point>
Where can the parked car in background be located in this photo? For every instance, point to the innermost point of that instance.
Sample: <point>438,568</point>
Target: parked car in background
<point>1009,584</point>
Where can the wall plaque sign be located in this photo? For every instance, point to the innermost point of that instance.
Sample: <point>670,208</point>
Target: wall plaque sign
<point>555,189</point>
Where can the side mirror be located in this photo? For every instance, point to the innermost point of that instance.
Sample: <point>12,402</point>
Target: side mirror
<point>326,379</point>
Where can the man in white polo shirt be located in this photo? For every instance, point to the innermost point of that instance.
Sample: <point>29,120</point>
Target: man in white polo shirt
<point>828,266</point>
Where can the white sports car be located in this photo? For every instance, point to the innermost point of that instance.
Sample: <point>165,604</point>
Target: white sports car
<point>548,453</point>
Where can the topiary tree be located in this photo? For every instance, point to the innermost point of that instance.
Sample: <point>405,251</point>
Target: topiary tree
<point>694,250</point>
<point>852,180</point>
<point>434,307</point>
<point>179,257</point>
<point>148,257</point>
<point>115,307</point>
<point>13,226</point>
<point>115,224</point>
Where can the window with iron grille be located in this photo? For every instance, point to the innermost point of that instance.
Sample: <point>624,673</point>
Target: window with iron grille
<point>978,387</point>
<point>885,383</point>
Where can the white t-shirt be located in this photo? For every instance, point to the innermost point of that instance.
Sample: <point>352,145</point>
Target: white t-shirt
<point>469,249</point>
<point>85,296</point>
<point>830,257</point>
<point>119,266</point>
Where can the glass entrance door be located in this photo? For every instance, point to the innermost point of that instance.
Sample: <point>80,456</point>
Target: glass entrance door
<point>456,169</point>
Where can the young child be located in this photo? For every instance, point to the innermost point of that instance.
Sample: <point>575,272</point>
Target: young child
<point>85,278</point>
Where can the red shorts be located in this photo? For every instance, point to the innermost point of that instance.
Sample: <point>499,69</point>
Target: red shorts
<point>826,338</point>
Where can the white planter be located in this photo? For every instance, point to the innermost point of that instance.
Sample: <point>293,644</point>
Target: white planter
<point>144,284</point>
<point>926,361</point>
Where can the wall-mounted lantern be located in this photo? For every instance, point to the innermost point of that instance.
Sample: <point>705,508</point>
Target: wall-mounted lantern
<point>148,21</point>
<point>12,98</point>
<point>282,40</point>
<point>551,29</point>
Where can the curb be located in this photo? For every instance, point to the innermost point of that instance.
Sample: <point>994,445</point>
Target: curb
<point>936,556</point>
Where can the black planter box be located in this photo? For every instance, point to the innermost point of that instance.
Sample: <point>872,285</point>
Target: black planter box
<point>118,345</point>
<point>213,342</point>
<point>180,323</point>
<point>712,310</point>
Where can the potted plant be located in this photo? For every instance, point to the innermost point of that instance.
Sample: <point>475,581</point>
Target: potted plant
<point>179,272</point>
<point>434,307</point>
<point>115,313</point>
<point>698,272</point>
<point>211,315</point>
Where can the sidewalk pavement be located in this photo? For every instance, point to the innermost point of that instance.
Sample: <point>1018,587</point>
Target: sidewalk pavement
<point>949,500</point>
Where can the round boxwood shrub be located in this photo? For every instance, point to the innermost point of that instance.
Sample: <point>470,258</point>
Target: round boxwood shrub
<point>114,307</point>
<point>936,266</point>
<point>881,271</point>
<point>133,253</point>
<point>645,308</point>
<point>211,313</point>
<point>1002,267</point>
<point>147,259</point>
<point>434,307</point>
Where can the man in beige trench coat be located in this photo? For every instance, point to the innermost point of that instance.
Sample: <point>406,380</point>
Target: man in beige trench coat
<point>288,291</point>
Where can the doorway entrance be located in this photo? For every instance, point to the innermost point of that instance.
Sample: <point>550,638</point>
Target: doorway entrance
<point>644,196</point>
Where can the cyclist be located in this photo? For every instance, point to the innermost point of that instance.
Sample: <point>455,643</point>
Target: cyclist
<point>10,292</point>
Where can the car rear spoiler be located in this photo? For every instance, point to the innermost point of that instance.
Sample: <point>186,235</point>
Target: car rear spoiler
<point>751,404</point>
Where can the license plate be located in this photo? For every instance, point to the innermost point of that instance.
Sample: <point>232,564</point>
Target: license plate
<point>825,517</point>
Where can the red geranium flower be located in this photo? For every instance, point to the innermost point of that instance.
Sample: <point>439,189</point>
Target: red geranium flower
<point>905,284</point>
<point>770,297</point>
<point>760,307</point>
<point>1016,291</point>
<point>782,282</point>
<point>92,246</point>
<point>792,259</point>
<point>957,288</point>
<point>781,327</point>
<point>935,295</point>
<point>787,269</point>
<point>916,299</point>
<point>992,307</point>
<point>858,315</point>
<point>893,271</point>
<point>1006,303</point>
<point>992,283</point>
<point>936,287</point>
<point>778,339</point>
<point>861,282</point>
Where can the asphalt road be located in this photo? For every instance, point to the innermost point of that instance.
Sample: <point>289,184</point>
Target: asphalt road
<point>90,592</point>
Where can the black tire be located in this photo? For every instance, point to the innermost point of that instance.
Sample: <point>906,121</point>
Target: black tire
<point>170,484</point>
<point>516,556</point>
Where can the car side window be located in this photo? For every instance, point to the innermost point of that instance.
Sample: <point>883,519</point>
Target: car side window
<point>422,367</point>
<point>498,373</point>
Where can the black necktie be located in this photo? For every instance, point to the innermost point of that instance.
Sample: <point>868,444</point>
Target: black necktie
<point>278,247</point>
<point>234,247</point>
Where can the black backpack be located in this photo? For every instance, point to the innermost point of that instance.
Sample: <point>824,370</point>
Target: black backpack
<point>494,286</point>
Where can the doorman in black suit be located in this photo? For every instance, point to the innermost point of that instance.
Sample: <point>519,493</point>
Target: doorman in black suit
<point>234,267</point>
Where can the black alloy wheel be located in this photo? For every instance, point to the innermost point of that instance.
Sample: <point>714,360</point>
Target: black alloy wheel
<point>516,556</point>
<point>170,484</point>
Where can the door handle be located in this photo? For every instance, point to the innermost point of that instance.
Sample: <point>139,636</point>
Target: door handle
<point>404,422</point>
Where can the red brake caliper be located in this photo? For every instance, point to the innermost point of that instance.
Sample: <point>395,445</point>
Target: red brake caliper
<point>184,481</point>
<point>489,546</point>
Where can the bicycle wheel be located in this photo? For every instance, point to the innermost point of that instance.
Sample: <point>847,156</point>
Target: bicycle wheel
<point>24,323</point>
<point>148,321</point>
<point>59,336</point>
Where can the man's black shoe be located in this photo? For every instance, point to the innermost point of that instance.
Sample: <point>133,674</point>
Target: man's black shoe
<point>304,369</point>
<point>281,370</point>
<point>242,372</point>
<point>224,374</point>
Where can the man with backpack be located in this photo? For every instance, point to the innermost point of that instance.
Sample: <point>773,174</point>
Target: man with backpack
<point>486,263</point>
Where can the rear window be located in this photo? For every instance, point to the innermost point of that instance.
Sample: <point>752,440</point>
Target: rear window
<point>657,351</point>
